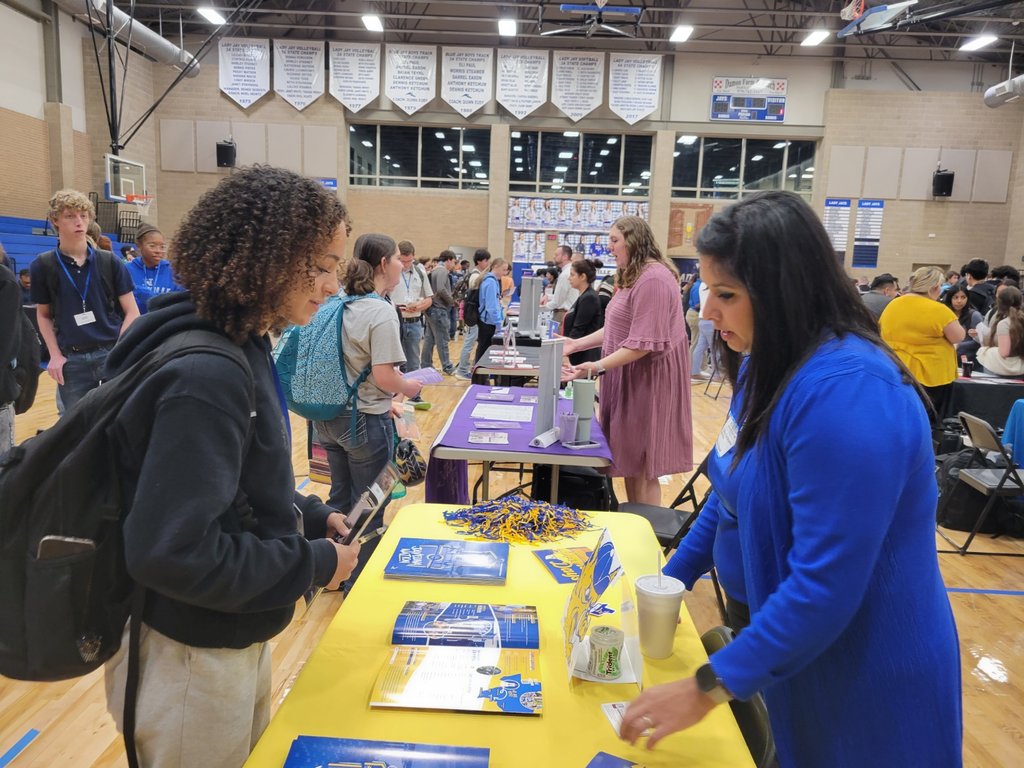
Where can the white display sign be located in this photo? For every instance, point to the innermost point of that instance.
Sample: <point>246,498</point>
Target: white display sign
<point>573,214</point>
<point>522,81</point>
<point>467,78</point>
<point>299,72</point>
<point>411,77</point>
<point>355,73</point>
<point>577,83</point>
<point>244,69</point>
<point>634,85</point>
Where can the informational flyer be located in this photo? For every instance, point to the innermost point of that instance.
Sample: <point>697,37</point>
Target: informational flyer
<point>355,73</point>
<point>244,69</point>
<point>634,85</point>
<point>564,565</point>
<point>522,81</point>
<point>837,224</point>
<point>577,82</point>
<point>467,625</point>
<point>410,79</point>
<point>467,78</point>
<point>299,71</point>
<point>319,751</point>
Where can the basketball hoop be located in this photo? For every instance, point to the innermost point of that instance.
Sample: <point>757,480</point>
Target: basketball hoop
<point>142,202</point>
<point>852,11</point>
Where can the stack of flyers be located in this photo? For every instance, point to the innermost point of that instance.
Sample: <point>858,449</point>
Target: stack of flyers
<point>470,562</point>
<point>319,751</point>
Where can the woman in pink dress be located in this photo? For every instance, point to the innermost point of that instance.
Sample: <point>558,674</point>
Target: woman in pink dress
<point>645,392</point>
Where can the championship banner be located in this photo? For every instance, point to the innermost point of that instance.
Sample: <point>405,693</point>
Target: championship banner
<point>571,214</point>
<point>467,78</point>
<point>522,81</point>
<point>355,73</point>
<point>299,72</point>
<point>411,76</point>
<point>634,85</point>
<point>577,83</point>
<point>244,69</point>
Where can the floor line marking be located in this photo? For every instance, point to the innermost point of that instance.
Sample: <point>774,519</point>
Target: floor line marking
<point>302,485</point>
<point>18,748</point>
<point>984,591</point>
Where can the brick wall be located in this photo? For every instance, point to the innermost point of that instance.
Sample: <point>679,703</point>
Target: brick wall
<point>930,120</point>
<point>1015,232</point>
<point>24,165</point>
<point>83,161</point>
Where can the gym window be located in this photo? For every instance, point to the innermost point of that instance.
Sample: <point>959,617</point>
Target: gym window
<point>570,162</point>
<point>716,168</point>
<point>436,157</point>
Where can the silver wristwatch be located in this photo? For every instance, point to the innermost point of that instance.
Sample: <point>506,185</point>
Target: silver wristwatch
<point>712,686</point>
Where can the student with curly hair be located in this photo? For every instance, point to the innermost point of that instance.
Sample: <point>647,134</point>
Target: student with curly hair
<point>214,529</point>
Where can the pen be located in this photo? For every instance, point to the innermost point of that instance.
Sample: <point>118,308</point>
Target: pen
<point>373,535</point>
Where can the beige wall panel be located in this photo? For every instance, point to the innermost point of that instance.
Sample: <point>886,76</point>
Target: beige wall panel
<point>284,146</point>
<point>882,173</point>
<point>177,145</point>
<point>208,133</point>
<point>918,168</point>
<point>320,151</point>
<point>992,176</point>
<point>846,169</point>
<point>961,163</point>
<point>251,141</point>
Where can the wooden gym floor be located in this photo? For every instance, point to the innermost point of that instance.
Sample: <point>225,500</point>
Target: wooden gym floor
<point>65,724</point>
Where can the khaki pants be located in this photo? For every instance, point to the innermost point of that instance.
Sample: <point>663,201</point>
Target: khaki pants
<point>559,315</point>
<point>196,706</point>
<point>692,318</point>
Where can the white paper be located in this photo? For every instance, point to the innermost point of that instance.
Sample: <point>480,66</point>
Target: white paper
<point>489,438</point>
<point>577,82</point>
<point>491,412</point>
<point>355,73</point>
<point>614,712</point>
<point>634,85</point>
<point>244,69</point>
<point>522,84</point>
<point>299,72</point>
<point>411,76</point>
<point>467,78</point>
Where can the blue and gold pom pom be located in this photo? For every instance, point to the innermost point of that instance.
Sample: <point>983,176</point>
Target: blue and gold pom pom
<point>518,520</point>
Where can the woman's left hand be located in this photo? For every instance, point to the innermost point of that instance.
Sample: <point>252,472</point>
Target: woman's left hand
<point>336,525</point>
<point>665,709</point>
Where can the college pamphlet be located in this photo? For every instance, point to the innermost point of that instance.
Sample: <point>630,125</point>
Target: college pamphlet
<point>319,751</point>
<point>468,562</point>
<point>565,565</point>
<point>468,625</point>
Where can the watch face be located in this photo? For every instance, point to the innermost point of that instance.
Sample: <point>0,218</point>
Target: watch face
<point>707,680</point>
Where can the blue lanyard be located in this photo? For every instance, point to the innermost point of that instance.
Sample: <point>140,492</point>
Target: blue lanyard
<point>406,281</point>
<point>88,276</point>
<point>280,392</point>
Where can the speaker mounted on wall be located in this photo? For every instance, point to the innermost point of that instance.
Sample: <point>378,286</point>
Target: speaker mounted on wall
<point>942,184</point>
<point>226,155</point>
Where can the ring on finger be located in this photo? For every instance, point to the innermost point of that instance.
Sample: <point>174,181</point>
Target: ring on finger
<point>646,719</point>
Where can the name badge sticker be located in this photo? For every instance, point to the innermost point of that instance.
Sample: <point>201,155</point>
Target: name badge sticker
<point>85,318</point>
<point>727,437</point>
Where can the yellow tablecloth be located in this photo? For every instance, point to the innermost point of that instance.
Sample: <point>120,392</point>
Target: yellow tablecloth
<point>331,695</point>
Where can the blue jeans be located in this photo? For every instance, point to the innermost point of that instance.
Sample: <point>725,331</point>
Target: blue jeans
<point>453,320</point>
<point>82,374</point>
<point>355,462</point>
<point>705,343</point>
<point>437,335</point>
<point>468,344</point>
<point>412,334</point>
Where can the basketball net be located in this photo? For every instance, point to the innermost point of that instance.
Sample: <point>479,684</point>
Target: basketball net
<point>142,202</point>
<point>852,11</point>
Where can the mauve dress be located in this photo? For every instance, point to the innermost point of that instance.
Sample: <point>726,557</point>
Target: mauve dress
<point>645,406</point>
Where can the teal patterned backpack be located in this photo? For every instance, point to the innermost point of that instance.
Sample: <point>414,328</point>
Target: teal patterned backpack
<point>310,364</point>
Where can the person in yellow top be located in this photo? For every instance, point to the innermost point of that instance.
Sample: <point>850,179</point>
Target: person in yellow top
<point>923,332</point>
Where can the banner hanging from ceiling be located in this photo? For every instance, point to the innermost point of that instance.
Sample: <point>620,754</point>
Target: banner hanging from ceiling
<point>634,85</point>
<point>522,81</point>
<point>411,76</point>
<point>355,73</point>
<point>467,78</point>
<point>244,69</point>
<point>577,83</point>
<point>299,72</point>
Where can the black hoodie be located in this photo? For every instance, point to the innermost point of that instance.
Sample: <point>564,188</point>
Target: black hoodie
<point>180,440</point>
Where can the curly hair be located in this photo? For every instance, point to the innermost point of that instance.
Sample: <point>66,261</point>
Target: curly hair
<point>240,250</point>
<point>64,199</point>
<point>641,246</point>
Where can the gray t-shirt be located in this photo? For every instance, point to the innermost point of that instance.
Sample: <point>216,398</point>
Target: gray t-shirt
<point>370,335</point>
<point>876,303</point>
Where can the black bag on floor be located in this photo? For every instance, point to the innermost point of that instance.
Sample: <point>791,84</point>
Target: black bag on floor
<point>965,504</point>
<point>578,487</point>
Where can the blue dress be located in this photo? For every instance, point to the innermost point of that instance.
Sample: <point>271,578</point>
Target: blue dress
<point>852,638</point>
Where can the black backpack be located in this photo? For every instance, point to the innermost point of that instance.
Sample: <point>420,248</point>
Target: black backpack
<point>460,288</point>
<point>27,371</point>
<point>965,504</point>
<point>471,304</point>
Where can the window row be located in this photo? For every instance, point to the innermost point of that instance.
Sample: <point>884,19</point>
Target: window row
<point>570,162</point>
<point>724,169</point>
<point>411,156</point>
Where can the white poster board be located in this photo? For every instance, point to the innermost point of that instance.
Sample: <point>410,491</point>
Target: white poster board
<point>299,72</point>
<point>355,73</point>
<point>577,83</point>
<point>244,69</point>
<point>467,78</point>
<point>634,85</point>
<point>411,76</point>
<point>522,81</point>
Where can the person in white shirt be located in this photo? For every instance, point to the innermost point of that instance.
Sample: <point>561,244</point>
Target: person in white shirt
<point>565,295</point>
<point>412,295</point>
<point>705,342</point>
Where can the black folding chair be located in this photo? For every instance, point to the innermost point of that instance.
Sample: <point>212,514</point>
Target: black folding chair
<point>993,483</point>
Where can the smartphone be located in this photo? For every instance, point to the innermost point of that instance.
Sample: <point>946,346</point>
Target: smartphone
<point>577,445</point>
<point>52,547</point>
<point>373,498</point>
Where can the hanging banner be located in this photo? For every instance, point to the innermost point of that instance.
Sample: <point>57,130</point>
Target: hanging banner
<point>528,247</point>
<point>593,246</point>
<point>533,213</point>
<point>411,78</point>
<point>244,69</point>
<point>837,224</point>
<point>299,72</point>
<point>355,73</point>
<point>467,78</point>
<point>867,233</point>
<point>577,83</point>
<point>522,81</point>
<point>634,85</point>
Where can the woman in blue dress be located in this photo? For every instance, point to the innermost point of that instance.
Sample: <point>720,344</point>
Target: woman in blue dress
<point>828,518</point>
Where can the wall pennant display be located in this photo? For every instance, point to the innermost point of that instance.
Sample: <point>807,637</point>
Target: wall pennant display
<point>244,69</point>
<point>634,85</point>
<point>299,72</point>
<point>467,78</point>
<point>411,76</point>
<point>577,83</point>
<point>355,73</point>
<point>522,81</point>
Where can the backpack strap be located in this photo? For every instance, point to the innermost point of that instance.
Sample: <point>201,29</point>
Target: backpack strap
<point>51,279</point>
<point>108,265</point>
<point>353,389</point>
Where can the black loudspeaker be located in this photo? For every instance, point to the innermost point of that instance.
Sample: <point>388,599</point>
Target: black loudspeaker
<point>226,155</point>
<point>942,184</point>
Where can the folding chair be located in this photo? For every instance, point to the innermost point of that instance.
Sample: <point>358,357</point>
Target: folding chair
<point>993,483</point>
<point>707,387</point>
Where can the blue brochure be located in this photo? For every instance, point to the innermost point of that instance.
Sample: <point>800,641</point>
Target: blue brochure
<point>468,625</point>
<point>317,751</point>
<point>604,760</point>
<point>470,562</point>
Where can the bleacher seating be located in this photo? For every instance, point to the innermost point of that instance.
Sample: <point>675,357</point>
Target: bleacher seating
<point>24,239</point>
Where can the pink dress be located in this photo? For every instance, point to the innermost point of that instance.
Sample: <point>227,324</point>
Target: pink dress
<point>645,406</point>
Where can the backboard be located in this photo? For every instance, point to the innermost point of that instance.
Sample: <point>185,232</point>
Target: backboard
<point>123,178</point>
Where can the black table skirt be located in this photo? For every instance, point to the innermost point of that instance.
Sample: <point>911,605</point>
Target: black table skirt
<point>990,402</point>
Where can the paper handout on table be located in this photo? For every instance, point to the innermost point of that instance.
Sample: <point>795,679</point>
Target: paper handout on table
<point>467,625</point>
<point>520,413</point>
<point>488,438</point>
<point>564,564</point>
<point>497,425</point>
<point>424,376</point>
<point>319,751</point>
<point>604,760</point>
<point>614,712</point>
<point>470,562</point>
<point>496,396</point>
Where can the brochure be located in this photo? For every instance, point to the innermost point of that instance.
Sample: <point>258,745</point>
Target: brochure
<point>564,564</point>
<point>469,562</point>
<point>604,760</point>
<point>472,625</point>
<point>318,751</point>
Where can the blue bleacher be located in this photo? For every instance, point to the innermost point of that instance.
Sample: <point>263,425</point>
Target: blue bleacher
<point>23,240</point>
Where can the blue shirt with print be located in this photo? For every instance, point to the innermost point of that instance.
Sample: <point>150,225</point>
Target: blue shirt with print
<point>151,281</point>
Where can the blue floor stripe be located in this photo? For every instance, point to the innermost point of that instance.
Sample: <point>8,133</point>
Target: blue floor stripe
<point>18,748</point>
<point>985,591</point>
<point>302,485</point>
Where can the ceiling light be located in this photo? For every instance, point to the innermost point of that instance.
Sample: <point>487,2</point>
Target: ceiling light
<point>817,37</point>
<point>676,154</point>
<point>561,168</point>
<point>978,42</point>
<point>453,159</point>
<point>792,175</point>
<point>718,177</point>
<point>598,165</point>
<point>810,169</point>
<point>571,134</point>
<point>373,23</point>
<point>807,176</point>
<point>449,148</point>
<point>439,134</point>
<point>212,16</point>
<point>367,143</point>
<point>627,191</point>
<point>681,34</point>
<point>634,184</point>
<point>593,173</point>
<point>519,159</point>
<point>687,140</point>
<point>351,129</point>
<point>517,148</point>
<point>558,180</point>
<point>733,168</point>
<point>475,163</point>
<point>456,128</point>
<point>555,186</point>
<point>645,175</point>
<point>755,158</point>
<point>387,157</point>
<point>507,27</point>
<point>395,165</point>
<point>480,175</point>
<point>516,134</point>
<point>604,152</point>
<point>468,148</point>
<point>564,155</point>
<point>613,141</point>
<point>780,145</point>
<point>519,167</point>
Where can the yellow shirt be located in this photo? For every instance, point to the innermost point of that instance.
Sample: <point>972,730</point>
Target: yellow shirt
<point>912,325</point>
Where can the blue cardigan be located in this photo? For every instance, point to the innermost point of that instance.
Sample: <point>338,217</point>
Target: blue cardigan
<point>852,638</point>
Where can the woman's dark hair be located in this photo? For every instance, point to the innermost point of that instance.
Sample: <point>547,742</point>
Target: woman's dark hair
<point>964,315</point>
<point>776,247</point>
<point>587,268</point>
<point>369,251</point>
<point>242,247</point>
<point>1008,307</point>
<point>145,230</point>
